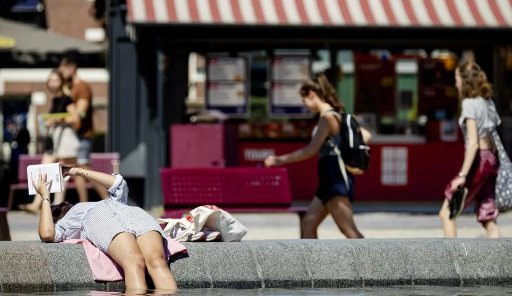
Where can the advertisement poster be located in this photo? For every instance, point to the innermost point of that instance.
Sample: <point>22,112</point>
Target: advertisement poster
<point>227,69</point>
<point>227,97</point>
<point>227,85</point>
<point>449,131</point>
<point>291,68</point>
<point>285,99</point>
<point>287,73</point>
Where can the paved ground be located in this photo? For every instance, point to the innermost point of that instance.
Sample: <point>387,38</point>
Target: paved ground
<point>286,226</point>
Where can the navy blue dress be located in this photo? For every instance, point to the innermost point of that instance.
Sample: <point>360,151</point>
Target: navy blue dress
<point>330,179</point>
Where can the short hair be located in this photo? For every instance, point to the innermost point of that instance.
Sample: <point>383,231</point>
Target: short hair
<point>68,61</point>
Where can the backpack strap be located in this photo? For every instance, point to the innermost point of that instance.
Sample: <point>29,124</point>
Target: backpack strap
<point>341,163</point>
<point>337,151</point>
<point>333,112</point>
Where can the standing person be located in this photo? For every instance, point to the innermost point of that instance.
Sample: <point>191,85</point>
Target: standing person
<point>127,234</point>
<point>81,114</point>
<point>333,195</point>
<point>62,142</point>
<point>56,85</point>
<point>479,169</point>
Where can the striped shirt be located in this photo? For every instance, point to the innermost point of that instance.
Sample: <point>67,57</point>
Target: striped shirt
<point>99,222</point>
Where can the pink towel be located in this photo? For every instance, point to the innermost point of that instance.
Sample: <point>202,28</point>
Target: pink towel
<point>105,269</point>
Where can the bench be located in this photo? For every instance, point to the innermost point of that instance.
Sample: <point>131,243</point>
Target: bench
<point>102,162</point>
<point>236,190</point>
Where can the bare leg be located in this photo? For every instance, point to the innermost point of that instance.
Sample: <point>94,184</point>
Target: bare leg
<point>81,189</point>
<point>341,210</point>
<point>313,218</point>
<point>35,206</point>
<point>152,248</point>
<point>449,226</point>
<point>126,252</point>
<point>493,231</point>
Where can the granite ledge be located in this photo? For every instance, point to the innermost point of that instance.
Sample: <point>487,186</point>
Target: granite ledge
<point>38,267</point>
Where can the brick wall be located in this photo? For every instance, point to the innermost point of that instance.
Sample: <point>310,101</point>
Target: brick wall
<point>70,17</point>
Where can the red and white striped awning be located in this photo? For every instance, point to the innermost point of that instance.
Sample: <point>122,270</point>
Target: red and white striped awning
<point>401,13</point>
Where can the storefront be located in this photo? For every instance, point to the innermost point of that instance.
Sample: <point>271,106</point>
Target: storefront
<point>257,53</point>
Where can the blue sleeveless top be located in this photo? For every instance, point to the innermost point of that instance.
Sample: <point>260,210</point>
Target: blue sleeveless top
<point>326,150</point>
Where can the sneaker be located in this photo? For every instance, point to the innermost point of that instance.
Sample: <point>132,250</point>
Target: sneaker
<point>211,236</point>
<point>176,232</point>
<point>457,202</point>
<point>198,237</point>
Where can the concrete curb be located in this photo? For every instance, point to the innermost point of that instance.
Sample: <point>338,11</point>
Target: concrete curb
<point>33,266</point>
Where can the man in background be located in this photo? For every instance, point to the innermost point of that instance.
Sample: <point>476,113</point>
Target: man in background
<point>81,111</point>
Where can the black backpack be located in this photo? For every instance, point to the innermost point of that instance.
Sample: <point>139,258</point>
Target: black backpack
<point>352,151</point>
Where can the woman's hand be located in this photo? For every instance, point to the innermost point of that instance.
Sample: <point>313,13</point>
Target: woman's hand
<point>42,185</point>
<point>48,122</point>
<point>456,183</point>
<point>70,170</point>
<point>272,161</point>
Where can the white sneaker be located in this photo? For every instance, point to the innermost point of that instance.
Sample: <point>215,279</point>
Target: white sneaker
<point>176,232</point>
<point>211,236</point>
<point>198,237</point>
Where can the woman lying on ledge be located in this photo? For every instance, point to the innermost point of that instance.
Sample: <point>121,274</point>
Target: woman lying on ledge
<point>128,234</point>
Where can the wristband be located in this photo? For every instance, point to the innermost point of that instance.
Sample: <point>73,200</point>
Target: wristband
<point>461,175</point>
<point>45,198</point>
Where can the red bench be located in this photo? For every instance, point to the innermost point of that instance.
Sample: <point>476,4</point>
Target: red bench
<point>237,190</point>
<point>102,162</point>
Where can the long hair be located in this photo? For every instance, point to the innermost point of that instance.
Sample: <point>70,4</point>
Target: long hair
<point>474,81</point>
<point>61,78</point>
<point>324,90</point>
<point>60,210</point>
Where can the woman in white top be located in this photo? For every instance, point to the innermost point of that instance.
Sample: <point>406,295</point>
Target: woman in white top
<point>128,234</point>
<point>479,169</point>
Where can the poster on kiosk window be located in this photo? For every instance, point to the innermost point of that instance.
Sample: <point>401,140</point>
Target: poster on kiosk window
<point>227,85</point>
<point>286,75</point>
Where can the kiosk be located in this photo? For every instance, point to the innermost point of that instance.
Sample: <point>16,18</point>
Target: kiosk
<point>150,42</point>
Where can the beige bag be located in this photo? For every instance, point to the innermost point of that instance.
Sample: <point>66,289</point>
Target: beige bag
<point>208,216</point>
<point>174,226</point>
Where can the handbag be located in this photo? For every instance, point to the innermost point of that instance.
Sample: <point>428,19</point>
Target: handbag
<point>503,189</point>
<point>48,141</point>
<point>209,216</point>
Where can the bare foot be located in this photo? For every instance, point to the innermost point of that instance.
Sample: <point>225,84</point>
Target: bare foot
<point>29,208</point>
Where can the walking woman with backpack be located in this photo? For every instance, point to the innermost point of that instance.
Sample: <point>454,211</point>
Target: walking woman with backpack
<point>476,180</point>
<point>341,144</point>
